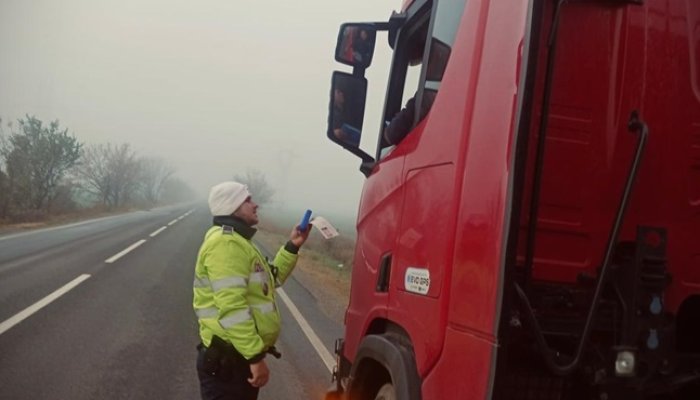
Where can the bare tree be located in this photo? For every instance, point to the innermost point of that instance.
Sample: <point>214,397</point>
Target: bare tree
<point>93,172</point>
<point>127,174</point>
<point>257,185</point>
<point>110,172</point>
<point>154,173</point>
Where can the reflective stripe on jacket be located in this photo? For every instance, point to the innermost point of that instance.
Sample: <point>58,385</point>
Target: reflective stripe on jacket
<point>234,291</point>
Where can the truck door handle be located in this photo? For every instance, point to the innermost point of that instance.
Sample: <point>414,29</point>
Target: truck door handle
<point>384,273</point>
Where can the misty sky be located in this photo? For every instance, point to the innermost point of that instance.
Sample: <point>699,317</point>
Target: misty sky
<point>213,87</point>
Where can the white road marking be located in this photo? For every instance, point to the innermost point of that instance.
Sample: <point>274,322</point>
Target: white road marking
<point>124,252</point>
<point>325,355</point>
<point>158,231</point>
<point>172,222</point>
<point>17,318</point>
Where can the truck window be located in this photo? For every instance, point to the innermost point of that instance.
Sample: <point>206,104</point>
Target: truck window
<point>419,65</point>
<point>405,78</point>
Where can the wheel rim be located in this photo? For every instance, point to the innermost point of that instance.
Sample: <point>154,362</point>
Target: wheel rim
<point>386,392</point>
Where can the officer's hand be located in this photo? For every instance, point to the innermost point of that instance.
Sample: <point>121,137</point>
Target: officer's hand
<point>260,374</point>
<point>298,237</point>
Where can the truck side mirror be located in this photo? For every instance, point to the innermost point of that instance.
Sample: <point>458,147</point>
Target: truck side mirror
<point>355,45</point>
<point>347,109</point>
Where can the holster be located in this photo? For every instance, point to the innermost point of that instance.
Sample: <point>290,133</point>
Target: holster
<point>223,360</point>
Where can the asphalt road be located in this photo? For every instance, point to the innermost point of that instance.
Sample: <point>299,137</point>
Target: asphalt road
<point>82,318</point>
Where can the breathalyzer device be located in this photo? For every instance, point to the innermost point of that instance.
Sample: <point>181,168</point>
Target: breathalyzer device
<point>304,224</point>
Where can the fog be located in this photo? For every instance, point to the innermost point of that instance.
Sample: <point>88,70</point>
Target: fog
<point>212,87</point>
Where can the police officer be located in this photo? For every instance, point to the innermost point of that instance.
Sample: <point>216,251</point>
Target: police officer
<point>234,297</point>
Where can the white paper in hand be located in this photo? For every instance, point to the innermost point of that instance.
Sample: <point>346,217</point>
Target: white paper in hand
<point>327,230</point>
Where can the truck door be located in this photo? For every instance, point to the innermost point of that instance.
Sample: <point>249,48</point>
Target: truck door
<point>425,233</point>
<point>383,193</point>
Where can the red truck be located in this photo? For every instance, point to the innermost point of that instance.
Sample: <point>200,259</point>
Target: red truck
<point>536,234</point>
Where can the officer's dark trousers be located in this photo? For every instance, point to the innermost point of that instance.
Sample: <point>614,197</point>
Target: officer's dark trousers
<point>234,387</point>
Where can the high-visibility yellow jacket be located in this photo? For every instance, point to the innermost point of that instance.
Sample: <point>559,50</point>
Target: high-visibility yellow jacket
<point>234,290</point>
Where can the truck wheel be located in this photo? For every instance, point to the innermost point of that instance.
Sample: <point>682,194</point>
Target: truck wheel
<point>386,392</point>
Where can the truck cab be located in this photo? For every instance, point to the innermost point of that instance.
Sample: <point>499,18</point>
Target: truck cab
<point>528,226</point>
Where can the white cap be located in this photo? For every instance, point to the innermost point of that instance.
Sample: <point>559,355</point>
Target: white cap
<point>226,197</point>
